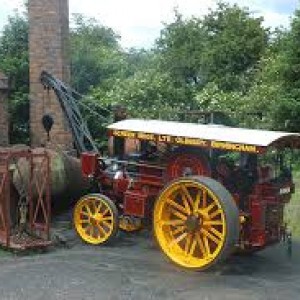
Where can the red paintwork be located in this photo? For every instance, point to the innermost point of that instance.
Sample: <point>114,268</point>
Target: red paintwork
<point>135,195</point>
<point>180,164</point>
<point>89,164</point>
<point>135,203</point>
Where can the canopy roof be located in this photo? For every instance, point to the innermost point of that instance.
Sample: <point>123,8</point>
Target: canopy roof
<point>208,136</point>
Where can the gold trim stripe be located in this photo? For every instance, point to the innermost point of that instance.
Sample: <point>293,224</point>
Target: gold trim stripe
<point>179,140</point>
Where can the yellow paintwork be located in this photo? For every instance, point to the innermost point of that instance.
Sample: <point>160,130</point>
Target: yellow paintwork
<point>93,219</point>
<point>130,224</point>
<point>189,224</point>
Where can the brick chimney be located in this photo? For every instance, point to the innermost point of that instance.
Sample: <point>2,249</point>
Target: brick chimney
<point>4,118</point>
<point>48,50</point>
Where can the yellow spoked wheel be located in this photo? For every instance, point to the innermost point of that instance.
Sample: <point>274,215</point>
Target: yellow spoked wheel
<point>96,219</point>
<point>196,222</point>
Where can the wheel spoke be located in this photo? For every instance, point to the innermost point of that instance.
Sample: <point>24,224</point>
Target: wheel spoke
<point>215,213</point>
<point>193,247</point>
<point>206,245</point>
<point>85,221</point>
<point>105,212</point>
<point>187,244</point>
<point>108,218</point>
<point>213,223</point>
<point>88,229</point>
<point>108,225</point>
<point>213,238</point>
<point>204,198</point>
<point>96,233</point>
<point>179,215</point>
<point>88,209</point>
<point>101,230</point>
<point>197,202</point>
<point>200,243</point>
<point>177,206</point>
<point>172,222</point>
<point>216,233</point>
<point>92,230</point>
<point>99,207</point>
<point>179,229</point>
<point>94,206</point>
<point>186,204</point>
<point>85,213</point>
<point>210,207</point>
<point>178,239</point>
<point>187,195</point>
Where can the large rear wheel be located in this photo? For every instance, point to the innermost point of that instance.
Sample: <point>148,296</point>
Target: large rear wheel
<point>96,219</point>
<point>196,222</point>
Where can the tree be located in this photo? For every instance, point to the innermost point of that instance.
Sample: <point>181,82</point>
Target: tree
<point>14,61</point>
<point>223,47</point>
<point>287,112</point>
<point>149,93</point>
<point>235,43</point>
<point>181,46</point>
<point>292,56</point>
<point>95,54</point>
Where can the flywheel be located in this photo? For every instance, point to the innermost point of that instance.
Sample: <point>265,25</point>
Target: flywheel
<point>187,164</point>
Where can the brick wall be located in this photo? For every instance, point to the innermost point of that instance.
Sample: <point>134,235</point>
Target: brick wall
<point>48,50</point>
<point>4,118</point>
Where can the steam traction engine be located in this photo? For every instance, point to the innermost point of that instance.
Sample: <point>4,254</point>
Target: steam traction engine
<point>207,190</point>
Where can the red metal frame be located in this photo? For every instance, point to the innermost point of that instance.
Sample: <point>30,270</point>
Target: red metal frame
<point>39,204</point>
<point>40,209</point>
<point>4,197</point>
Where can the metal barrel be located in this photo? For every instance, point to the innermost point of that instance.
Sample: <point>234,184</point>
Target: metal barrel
<point>67,183</point>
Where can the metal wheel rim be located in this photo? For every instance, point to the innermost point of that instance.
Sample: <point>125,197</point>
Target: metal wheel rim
<point>190,247</point>
<point>94,220</point>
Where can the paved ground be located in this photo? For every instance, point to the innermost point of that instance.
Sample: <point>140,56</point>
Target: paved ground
<point>133,268</point>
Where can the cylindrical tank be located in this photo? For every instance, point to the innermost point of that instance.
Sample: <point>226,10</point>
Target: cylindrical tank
<point>67,183</point>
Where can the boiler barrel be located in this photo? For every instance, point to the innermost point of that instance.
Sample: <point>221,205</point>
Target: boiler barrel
<point>67,183</point>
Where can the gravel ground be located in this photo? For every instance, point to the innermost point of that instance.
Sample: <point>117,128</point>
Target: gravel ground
<point>133,268</point>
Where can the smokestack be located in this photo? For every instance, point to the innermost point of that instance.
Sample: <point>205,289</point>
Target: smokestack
<point>49,51</point>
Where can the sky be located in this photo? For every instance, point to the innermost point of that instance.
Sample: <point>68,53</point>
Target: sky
<point>139,22</point>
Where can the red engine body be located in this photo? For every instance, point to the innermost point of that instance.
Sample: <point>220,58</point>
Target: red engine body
<point>134,186</point>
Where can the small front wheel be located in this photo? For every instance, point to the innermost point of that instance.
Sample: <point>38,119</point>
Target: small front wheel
<point>96,219</point>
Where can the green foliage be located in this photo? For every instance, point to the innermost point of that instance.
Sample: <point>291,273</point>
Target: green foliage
<point>14,62</point>
<point>225,61</point>
<point>148,93</point>
<point>215,99</point>
<point>265,95</point>
<point>292,56</point>
<point>235,43</point>
<point>96,56</point>
<point>288,110</point>
<point>223,47</point>
<point>181,45</point>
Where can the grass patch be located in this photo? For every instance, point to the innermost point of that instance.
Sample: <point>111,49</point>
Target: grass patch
<point>292,209</point>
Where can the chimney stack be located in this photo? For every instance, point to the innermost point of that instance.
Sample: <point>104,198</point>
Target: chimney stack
<point>49,51</point>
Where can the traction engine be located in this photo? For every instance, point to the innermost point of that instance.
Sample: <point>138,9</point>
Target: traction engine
<point>201,205</point>
<point>206,190</point>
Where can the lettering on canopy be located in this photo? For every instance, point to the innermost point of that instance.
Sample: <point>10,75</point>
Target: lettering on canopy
<point>187,141</point>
